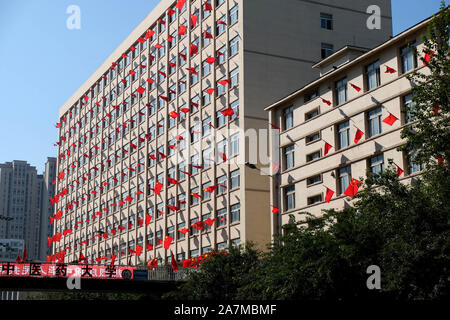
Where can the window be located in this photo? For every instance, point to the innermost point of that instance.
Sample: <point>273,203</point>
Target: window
<point>234,46</point>
<point>222,183</point>
<point>206,40</point>
<point>194,199</point>
<point>413,166</point>
<point>193,230</point>
<point>160,127</point>
<point>220,27</point>
<point>373,75</point>
<point>222,54</point>
<point>344,176</point>
<point>194,76</point>
<point>314,199</point>
<point>408,105</point>
<point>221,217</point>
<point>206,126</point>
<point>195,164</point>
<point>288,114</point>
<point>377,164</point>
<point>181,235</point>
<point>234,77</point>
<point>182,85</point>
<point>313,137</point>
<point>234,179</point>
<point>311,114</point>
<point>326,21</point>
<point>289,197</point>
<point>289,157</point>
<point>234,14</point>
<point>181,61</point>
<point>311,95</point>
<point>343,130</point>
<point>182,167</point>
<point>206,68</point>
<point>326,50</point>
<point>341,91</point>
<point>234,144</point>
<point>313,156</point>
<point>206,158</point>
<point>374,118</point>
<point>313,180</point>
<point>235,212</point>
<point>408,59</point>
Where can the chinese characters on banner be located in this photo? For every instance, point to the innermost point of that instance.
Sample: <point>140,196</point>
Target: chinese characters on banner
<point>62,270</point>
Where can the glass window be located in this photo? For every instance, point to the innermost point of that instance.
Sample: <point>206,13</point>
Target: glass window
<point>374,118</point>
<point>413,166</point>
<point>222,181</point>
<point>314,199</point>
<point>289,197</point>
<point>377,164</point>
<point>373,75</point>
<point>344,177</point>
<point>326,21</point>
<point>220,28</point>
<point>234,77</point>
<point>314,179</point>
<point>311,114</point>
<point>326,50</point>
<point>313,156</point>
<point>408,58</point>
<point>234,144</point>
<point>206,68</point>
<point>234,179</point>
<point>344,134</point>
<point>221,217</point>
<point>341,91</point>
<point>222,54</point>
<point>408,105</point>
<point>234,46</point>
<point>194,199</point>
<point>234,14</point>
<point>235,212</point>
<point>288,117</point>
<point>289,157</point>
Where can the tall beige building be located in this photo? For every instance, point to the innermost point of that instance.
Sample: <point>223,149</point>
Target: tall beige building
<point>119,136</point>
<point>343,124</point>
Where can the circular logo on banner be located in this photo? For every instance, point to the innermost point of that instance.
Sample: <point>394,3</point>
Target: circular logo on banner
<point>126,274</point>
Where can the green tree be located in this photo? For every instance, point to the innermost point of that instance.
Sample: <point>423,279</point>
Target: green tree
<point>429,136</point>
<point>219,277</point>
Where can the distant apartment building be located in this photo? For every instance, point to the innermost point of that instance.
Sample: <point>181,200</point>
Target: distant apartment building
<point>23,195</point>
<point>171,103</point>
<point>342,125</point>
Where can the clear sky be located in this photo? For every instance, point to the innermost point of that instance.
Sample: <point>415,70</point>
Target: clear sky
<point>42,62</point>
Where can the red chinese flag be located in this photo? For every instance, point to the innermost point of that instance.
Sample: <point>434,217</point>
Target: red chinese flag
<point>183,230</point>
<point>355,87</point>
<point>193,20</point>
<point>211,60</point>
<point>427,57</point>
<point>193,49</point>
<point>223,156</point>
<point>209,221</point>
<point>140,90</point>
<point>184,110</point>
<point>328,195</point>
<point>198,225</point>
<point>138,250</point>
<point>161,21</point>
<point>158,187</point>
<point>327,148</point>
<point>182,30</point>
<point>208,35</point>
<point>172,181</point>
<point>274,127</point>
<point>141,40</point>
<point>326,101</point>
<point>390,119</point>
<point>207,6</point>
<point>221,22</point>
<point>358,135</point>
<point>148,219</point>
<point>210,91</point>
<point>61,175</point>
<point>174,114</point>
<point>227,112</point>
<point>192,70</point>
<point>170,12</point>
<point>224,82</point>
<point>275,210</point>
<point>167,241</point>
<point>390,70</point>
<point>210,189</point>
<point>352,188</point>
<point>173,262</point>
<point>180,4</point>
<point>196,195</point>
<point>158,46</point>
<point>149,34</point>
<point>399,171</point>
<point>173,208</point>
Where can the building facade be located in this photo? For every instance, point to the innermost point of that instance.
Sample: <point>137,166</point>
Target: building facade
<point>19,205</point>
<point>46,190</point>
<point>172,103</point>
<point>344,125</point>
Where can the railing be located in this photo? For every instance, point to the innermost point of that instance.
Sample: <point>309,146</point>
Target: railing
<point>166,273</point>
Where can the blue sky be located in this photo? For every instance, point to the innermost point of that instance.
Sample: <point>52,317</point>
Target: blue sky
<point>43,63</point>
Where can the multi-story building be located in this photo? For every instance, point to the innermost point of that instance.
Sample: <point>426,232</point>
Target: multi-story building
<point>173,101</point>
<point>342,125</point>
<point>19,204</point>
<point>46,190</point>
